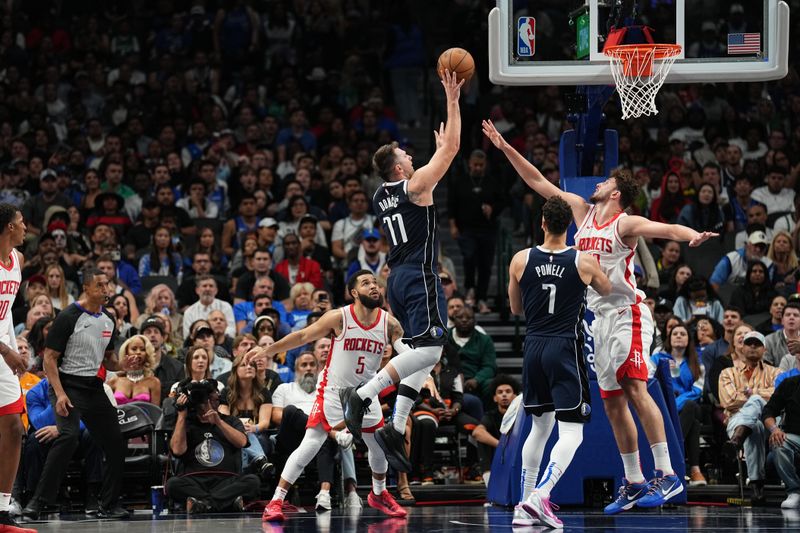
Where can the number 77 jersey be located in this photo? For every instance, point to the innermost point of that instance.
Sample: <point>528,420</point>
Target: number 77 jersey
<point>410,228</point>
<point>553,293</point>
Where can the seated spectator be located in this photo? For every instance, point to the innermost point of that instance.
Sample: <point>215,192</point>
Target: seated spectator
<point>476,354</point>
<point>297,268</point>
<point>785,440</point>
<point>782,254</point>
<point>777,343</point>
<point>687,383</point>
<point>487,433</point>
<point>201,334</point>
<point>736,211</point>
<point>261,267</point>
<point>731,319</point>
<point>732,268</point>
<point>161,299</point>
<point>60,296</point>
<point>744,390</point>
<point>206,289</point>
<point>734,352</point>
<point>757,292</point>
<point>203,485</point>
<point>670,260</point>
<point>369,255</point>
<point>246,312</point>
<point>679,277</point>
<point>41,434</point>
<point>455,304</point>
<point>275,366</point>
<point>219,325</point>
<point>233,230</point>
<point>300,297</point>
<point>197,369</point>
<point>756,221</point>
<point>698,299</point>
<point>35,285</point>
<point>778,199</point>
<point>704,212</point>
<point>161,258</point>
<point>790,364</point>
<point>136,382</point>
<point>166,368</point>
<point>347,232</point>
<point>246,397</point>
<point>670,202</point>
<point>125,328</point>
<point>111,211</point>
<point>187,295</point>
<point>292,403</point>
<point>118,286</point>
<point>775,321</point>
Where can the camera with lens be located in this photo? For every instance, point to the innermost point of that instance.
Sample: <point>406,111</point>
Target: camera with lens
<point>197,392</point>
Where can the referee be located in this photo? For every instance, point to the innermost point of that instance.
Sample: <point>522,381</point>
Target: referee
<point>80,339</point>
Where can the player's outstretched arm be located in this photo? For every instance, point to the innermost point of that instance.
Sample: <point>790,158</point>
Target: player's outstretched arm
<point>636,226</point>
<point>591,274</point>
<point>330,322</point>
<point>448,139</point>
<point>515,270</point>
<point>532,176</point>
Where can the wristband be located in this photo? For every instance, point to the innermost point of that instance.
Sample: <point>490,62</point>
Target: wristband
<point>400,346</point>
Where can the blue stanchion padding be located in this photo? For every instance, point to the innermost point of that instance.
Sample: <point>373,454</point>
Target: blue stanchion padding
<point>597,458</point>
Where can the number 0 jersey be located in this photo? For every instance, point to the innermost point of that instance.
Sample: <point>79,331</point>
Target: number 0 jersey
<point>553,293</point>
<point>10,279</point>
<point>410,228</point>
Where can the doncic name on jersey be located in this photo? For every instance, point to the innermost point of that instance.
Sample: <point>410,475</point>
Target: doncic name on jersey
<point>389,202</point>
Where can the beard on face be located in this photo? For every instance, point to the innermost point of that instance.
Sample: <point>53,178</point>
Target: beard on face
<point>308,382</point>
<point>369,302</point>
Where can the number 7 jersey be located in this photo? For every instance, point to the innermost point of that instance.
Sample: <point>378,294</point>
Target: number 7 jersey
<point>410,228</point>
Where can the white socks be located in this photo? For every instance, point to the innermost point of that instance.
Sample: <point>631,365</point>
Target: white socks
<point>378,486</point>
<point>280,494</point>
<point>633,468</point>
<point>374,386</point>
<point>528,481</point>
<point>533,449</point>
<point>661,458</point>
<point>402,406</point>
<point>5,501</point>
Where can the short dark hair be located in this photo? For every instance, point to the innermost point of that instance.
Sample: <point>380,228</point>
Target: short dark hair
<point>7,214</point>
<point>89,273</point>
<point>204,277</point>
<point>794,304</point>
<point>626,185</point>
<point>735,309</point>
<point>351,282</point>
<point>557,214</point>
<point>504,379</point>
<point>384,161</point>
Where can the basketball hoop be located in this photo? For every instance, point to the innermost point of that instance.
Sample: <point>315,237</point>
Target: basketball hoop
<point>639,71</point>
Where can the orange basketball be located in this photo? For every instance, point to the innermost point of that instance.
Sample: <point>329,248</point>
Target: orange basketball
<point>456,60</point>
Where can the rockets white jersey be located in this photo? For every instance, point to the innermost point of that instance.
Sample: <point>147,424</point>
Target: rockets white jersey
<point>10,279</point>
<point>616,261</point>
<point>356,353</point>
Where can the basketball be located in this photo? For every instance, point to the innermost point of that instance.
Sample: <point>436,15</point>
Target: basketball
<point>456,60</point>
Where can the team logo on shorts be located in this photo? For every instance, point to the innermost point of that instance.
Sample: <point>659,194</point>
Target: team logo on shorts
<point>436,332</point>
<point>586,409</point>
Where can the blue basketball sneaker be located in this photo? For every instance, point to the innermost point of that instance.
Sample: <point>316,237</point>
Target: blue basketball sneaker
<point>629,494</point>
<point>662,488</point>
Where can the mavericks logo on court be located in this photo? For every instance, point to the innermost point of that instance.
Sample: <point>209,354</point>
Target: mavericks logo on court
<point>436,332</point>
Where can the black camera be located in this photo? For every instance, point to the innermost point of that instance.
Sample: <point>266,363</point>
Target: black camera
<point>197,392</point>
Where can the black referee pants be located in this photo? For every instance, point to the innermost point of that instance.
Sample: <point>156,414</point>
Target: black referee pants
<point>91,405</point>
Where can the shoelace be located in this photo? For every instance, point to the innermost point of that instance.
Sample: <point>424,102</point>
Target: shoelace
<point>655,486</point>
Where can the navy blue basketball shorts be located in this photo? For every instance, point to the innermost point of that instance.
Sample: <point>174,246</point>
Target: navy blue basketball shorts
<point>554,378</point>
<point>417,301</point>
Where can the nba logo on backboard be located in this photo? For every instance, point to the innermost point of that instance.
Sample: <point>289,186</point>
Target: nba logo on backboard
<point>526,36</point>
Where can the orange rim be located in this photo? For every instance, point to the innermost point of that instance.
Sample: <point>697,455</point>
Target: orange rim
<point>637,59</point>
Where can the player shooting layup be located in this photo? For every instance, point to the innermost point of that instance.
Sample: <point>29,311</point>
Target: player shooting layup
<point>548,283</point>
<point>12,365</point>
<point>359,333</point>
<point>405,206</point>
<point>623,326</point>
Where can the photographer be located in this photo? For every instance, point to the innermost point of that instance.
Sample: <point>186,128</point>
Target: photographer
<point>208,446</point>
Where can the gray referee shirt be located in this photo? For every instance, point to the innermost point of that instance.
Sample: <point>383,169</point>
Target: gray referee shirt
<point>82,338</point>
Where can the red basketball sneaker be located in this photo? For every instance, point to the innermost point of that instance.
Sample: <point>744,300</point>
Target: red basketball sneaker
<point>385,503</point>
<point>273,512</point>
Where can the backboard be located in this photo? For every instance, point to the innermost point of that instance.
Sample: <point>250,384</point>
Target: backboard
<point>560,42</point>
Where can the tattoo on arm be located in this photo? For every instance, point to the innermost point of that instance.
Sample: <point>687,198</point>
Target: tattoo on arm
<point>395,330</point>
<point>413,196</point>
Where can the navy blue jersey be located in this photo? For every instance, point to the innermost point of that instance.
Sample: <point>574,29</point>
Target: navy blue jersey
<point>553,293</point>
<point>410,228</point>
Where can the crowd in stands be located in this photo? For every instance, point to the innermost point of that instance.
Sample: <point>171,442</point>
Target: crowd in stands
<point>213,158</point>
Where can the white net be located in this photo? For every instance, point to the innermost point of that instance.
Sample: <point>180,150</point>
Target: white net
<point>639,71</point>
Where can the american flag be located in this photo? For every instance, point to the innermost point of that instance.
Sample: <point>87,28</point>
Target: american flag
<point>744,43</point>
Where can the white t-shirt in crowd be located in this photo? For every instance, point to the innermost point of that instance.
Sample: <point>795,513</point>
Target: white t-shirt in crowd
<point>292,394</point>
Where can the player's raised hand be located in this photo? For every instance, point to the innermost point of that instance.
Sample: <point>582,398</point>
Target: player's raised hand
<point>253,354</point>
<point>452,87</point>
<point>491,132</point>
<point>702,237</point>
<point>439,135</point>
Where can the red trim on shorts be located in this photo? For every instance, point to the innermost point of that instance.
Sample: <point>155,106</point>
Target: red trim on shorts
<point>362,326</point>
<point>16,408</point>
<point>611,393</point>
<point>634,366</point>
